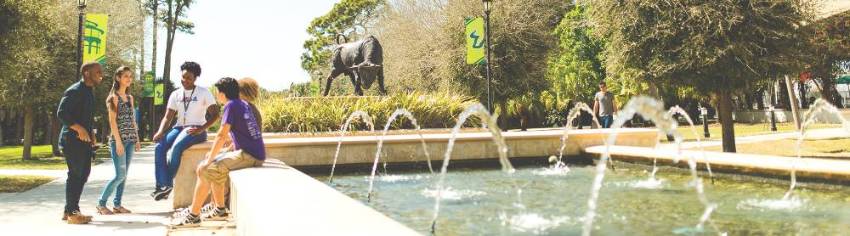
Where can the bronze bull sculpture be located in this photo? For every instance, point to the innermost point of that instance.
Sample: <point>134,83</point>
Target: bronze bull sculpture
<point>362,61</point>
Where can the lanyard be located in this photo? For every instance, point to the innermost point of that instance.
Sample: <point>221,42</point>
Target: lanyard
<point>186,103</point>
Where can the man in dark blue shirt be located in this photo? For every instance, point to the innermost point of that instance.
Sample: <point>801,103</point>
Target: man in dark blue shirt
<point>76,111</point>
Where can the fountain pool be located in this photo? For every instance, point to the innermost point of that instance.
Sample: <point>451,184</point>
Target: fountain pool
<point>485,202</point>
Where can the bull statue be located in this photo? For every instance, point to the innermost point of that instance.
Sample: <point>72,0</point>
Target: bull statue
<point>362,61</point>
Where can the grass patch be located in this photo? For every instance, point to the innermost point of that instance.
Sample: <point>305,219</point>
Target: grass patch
<point>10,158</point>
<point>820,148</point>
<point>743,130</point>
<point>21,183</point>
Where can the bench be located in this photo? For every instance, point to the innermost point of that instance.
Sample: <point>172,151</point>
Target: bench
<point>276,199</point>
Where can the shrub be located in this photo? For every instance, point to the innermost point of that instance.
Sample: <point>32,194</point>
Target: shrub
<point>321,114</point>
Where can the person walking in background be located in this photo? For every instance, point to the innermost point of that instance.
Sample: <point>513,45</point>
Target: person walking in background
<point>123,138</point>
<point>190,105</point>
<point>76,112</point>
<point>603,106</point>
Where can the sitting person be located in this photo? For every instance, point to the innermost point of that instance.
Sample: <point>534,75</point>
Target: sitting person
<point>239,124</point>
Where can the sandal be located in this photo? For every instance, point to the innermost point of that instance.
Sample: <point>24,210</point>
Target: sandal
<point>121,210</point>
<point>103,210</point>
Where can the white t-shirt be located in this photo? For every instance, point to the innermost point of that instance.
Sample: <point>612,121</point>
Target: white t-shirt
<point>191,105</point>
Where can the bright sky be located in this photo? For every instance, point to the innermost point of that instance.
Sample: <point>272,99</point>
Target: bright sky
<point>261,39</point>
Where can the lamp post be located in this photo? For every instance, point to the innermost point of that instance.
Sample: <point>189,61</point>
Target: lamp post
<point>704,112</point>
<point>772,118</point>
<point>81,5</point>
<point>487,39</point>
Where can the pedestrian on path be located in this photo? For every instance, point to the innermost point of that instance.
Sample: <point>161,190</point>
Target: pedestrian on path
<point>190,105</point>
<point>123,138</point>
<point>76,111</point>
<point>603,106</point>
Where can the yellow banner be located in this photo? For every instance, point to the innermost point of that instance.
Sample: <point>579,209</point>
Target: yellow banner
<point>158,94</point>
<point>475,41</point>
<point>94,38</point>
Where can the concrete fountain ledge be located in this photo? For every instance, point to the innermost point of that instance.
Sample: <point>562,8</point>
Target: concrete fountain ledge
<point>276,199</point>
<point>406,148</point>
<point>825,170</point>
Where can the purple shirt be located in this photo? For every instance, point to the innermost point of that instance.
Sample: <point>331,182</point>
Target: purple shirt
<point>244,130</point>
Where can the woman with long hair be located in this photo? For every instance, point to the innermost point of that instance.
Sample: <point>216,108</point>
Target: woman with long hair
<point>123,138</point>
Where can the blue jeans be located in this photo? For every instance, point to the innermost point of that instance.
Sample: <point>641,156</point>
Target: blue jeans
<point>606,121</point>
<point>122,165</point>
<point>178,140</point>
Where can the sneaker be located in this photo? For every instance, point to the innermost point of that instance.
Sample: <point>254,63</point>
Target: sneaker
<point>163,193</point>
<point>189,220</point>
<point>65,216</point>
<point>77,218</point>
<point>185,211</point>
<point>102,210</point>
<point>216,214</point>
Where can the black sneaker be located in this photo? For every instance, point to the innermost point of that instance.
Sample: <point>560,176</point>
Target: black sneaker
<point>157,191</point>
<point>216,214</point>
<point>186,221</point>
<point>163,194</point>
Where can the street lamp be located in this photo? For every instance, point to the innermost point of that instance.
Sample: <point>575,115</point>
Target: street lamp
<point>81,5</point>
<point>487,39</point>
<point>772,118</point>
<point>704,112</point>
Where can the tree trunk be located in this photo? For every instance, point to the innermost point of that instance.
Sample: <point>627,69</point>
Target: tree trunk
<point>724,114</point>
<point>54,135</point>
<point>28,119</point>
<point>792,101</point>
<point>782,98</point>
<point>829,92</point>
<point>2,124</point>
<point>760,99</point>
<point>804,101</point>
<point>19,129</point>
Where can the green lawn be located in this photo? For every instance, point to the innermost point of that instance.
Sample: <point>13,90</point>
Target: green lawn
<point>838,148</point>
<point>744,130</point>
<point>10,158</point>
<point>21,183</point>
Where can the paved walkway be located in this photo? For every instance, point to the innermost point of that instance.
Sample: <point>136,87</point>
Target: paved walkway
<point>38,211</point>
<point>811,134</point>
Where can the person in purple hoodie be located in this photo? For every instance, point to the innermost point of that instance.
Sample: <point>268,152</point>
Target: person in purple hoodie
<point>239,125</point>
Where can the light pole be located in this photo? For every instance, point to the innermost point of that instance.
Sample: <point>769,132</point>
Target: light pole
<point>81,5</point>
<point>487,39</point>
<point>704,112</point>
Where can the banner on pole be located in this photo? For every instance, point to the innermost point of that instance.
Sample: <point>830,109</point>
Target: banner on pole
<point>158,94</point>
<point>475,41</point>
<point>148,88</point>
<point>94,38</point>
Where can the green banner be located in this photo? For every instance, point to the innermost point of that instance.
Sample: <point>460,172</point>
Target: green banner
<point>475,41</point>
<point>158,94</point>
<point>148,85</point>
<point>94,38</point>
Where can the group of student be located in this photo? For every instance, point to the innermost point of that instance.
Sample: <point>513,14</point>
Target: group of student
<point>192,109</point>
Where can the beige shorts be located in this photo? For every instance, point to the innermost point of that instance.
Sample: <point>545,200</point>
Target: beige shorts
<point>217,172</point>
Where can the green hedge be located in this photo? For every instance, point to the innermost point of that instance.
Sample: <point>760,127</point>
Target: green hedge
<point>322,114</point>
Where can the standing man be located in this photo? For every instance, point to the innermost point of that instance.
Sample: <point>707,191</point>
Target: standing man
<point>190,105</point>
<point>76,111</point>
<point>603,106</point>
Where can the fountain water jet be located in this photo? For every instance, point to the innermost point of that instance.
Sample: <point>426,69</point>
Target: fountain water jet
<point>489,122</point>
<point>396,114</point>
<point>818,107</point>
<point>678,110</point>
<point>357,114</point>
<point>654,111</point>
<point>571,115</point>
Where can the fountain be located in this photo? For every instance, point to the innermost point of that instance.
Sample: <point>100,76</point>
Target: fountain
<point>357,114</point>
<point>489,122</point>
<point>396,114</point>
<point>560,166</point>
<point>820,106</point>
<point>678,110</point>
<point>653,110</point>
